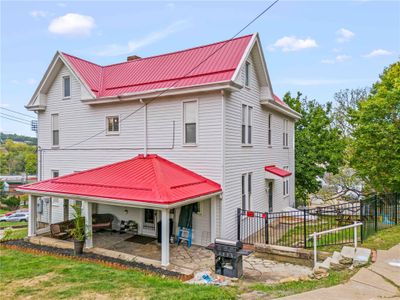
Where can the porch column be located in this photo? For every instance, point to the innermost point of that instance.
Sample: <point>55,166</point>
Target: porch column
<point>87,211</point>
<point>165,237</point>
<point>213,219</point>
<point>32,215</point>
<point>50,211</point>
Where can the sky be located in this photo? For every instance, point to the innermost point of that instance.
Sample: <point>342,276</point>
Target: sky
<point>316,47</point>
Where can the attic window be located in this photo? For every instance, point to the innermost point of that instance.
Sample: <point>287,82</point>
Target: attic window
<point>66,87</point>
<point>247,74</point>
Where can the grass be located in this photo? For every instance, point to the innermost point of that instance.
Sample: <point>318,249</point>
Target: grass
<point>383,240</point>
<point>9,224</point>
<point>3,211</point>
<point>47,277</point>
<point>291,288</point>
<point>15,234</point>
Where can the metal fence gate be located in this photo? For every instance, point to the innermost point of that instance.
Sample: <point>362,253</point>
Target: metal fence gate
<point>293,228</point>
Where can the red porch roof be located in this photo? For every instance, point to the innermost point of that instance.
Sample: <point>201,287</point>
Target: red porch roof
<point>277,171</point>
<point>150,179</point>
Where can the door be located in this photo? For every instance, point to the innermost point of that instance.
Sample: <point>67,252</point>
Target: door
<point>270,197</point>
<point>149,222</point>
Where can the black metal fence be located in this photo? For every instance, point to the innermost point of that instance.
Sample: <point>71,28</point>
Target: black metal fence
<point>292,228</point>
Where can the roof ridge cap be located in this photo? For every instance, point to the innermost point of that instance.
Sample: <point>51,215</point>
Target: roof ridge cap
<point>161,188</point>
<point>179,51</point>
<point>88,61</point>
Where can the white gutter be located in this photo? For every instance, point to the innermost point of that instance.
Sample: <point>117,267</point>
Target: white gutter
<point>228,85</point>
<point>282,109</point>
<point>125,203</point>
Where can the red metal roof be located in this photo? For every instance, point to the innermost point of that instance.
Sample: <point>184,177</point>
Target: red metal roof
<point>163,71</point>
<point>277,99</point>
<point>150,179</point>
<point>277,171</point>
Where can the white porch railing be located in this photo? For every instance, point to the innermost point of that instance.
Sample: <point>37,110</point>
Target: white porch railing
<point>315,236</point>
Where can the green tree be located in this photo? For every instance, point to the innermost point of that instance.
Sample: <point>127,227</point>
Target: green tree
<point>17,158</point>
<point>375,146</point>
<point>319,145</point>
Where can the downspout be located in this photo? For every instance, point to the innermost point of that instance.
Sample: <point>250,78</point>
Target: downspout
<point>145,128</point>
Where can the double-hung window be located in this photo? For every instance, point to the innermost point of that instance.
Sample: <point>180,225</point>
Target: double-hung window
<point>112,124</point>
<point>269,129</point>
<point>55,138</point>
<point>286,183</point>
<point>190,122</point>
<point>55,173</point>
<point>66,87</point>
<point>246,190</point>
<point>285,135</point>
<point>247,123</point>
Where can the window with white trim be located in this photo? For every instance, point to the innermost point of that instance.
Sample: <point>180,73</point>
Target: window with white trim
<point>285,135</point>
<point>247,74</point>
<point>55,131</point>
<point>55,173</point>
<point>190,122</point>
<point>269,129</point>
<point>246,190</point>
<point>286,183</point>
<point>112,124</point>
<point>66,87</point>
<point>247,123</point>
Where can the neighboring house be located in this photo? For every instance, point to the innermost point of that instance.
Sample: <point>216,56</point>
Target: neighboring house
<point>219,120</point>
<point>11,182</point>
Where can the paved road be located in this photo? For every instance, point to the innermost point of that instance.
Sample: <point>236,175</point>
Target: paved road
<point>378,281</point>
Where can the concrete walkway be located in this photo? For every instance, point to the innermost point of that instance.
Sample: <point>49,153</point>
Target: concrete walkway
<point>380,280</point>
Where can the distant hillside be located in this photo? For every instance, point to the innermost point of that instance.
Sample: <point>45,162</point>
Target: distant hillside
<point>18,138</point>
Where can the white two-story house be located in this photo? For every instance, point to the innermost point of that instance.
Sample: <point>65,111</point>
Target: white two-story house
<point>142,138</point>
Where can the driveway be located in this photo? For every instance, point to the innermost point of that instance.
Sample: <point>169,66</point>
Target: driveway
<point>380,280</point>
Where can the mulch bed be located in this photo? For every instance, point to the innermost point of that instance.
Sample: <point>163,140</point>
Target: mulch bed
<point>91,257</point>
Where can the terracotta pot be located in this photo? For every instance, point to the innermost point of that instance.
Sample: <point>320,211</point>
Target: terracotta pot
<point>78,247</point>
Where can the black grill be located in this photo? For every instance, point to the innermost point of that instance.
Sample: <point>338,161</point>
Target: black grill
<point>228,257</point>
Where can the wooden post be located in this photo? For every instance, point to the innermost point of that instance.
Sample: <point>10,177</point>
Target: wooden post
<point>32,215</point>
<point>165,237</point>
<point>87,211</point>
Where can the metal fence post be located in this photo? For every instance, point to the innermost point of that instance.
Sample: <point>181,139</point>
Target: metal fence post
<point>238,223</point>
<point>266,228</point>
<point>376,213</point>
<point>362,220</point>
<point>305,228</point>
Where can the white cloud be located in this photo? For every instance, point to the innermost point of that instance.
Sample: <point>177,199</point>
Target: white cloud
<point>344,35</point>
<point>72,24</point>
<point>39,14</point>
<point>292,43</point>
<point>338,58</point>
<point>378,52</point>
<point>31,81</point>
<point>133,45</point>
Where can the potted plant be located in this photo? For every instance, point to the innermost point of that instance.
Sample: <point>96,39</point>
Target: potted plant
<point>78,232</point>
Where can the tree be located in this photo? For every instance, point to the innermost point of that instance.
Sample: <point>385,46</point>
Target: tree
<point>17,158</point>
<point>375,147</point>
<point>319,145</point>
<point>346,101</point>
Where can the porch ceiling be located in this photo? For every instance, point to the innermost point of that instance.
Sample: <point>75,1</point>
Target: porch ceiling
<point>150,181</point>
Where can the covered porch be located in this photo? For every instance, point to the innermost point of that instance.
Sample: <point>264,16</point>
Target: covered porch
<point>146,186</point>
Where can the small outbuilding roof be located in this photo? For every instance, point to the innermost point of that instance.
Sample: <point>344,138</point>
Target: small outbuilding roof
<point>146,179</point>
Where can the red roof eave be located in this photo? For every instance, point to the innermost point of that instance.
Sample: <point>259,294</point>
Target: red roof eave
<point>277,171</point>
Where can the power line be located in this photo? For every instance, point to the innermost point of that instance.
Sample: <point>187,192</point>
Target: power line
<point>16,112</point>
<point>188,73</point>
<point>22,122</point>
<point>18,118</point>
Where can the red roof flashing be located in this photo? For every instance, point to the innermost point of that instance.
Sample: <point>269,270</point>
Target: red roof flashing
<point>277,171</point>
<point>150,179</point>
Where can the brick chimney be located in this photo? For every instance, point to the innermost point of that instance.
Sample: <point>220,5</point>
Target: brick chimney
<point>132,57</point>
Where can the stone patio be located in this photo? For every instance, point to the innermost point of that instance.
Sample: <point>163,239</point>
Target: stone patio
<point>198,258</point>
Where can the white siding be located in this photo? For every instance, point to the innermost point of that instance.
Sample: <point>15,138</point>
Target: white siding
<point>244,159</point>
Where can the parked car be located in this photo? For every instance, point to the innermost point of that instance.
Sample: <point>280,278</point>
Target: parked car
<point>16,217</point>
<point>22,210</point>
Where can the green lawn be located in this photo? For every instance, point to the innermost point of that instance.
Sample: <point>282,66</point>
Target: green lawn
<point>14,234</point>
<point>291,288</point>
<point>3,211</point>
<point>47,277</point>
<point>9,224</point>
